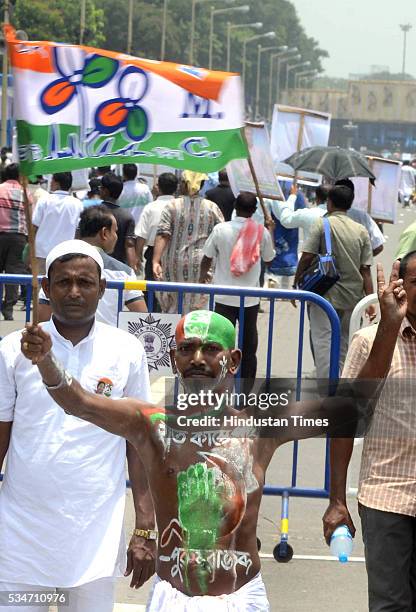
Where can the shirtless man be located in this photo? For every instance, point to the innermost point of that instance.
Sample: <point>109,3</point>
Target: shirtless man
<point>206,486</point>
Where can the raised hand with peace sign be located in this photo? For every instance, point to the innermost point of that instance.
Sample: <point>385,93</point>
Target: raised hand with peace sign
<point>392,297</point>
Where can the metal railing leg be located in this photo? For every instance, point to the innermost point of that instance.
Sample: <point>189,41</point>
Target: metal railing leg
<point>283,552</point>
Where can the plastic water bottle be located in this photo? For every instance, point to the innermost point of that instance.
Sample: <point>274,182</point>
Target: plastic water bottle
<point>341,543</point>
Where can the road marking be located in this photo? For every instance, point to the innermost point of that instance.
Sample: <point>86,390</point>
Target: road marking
<point>120,607</point>
<point>316,558</point>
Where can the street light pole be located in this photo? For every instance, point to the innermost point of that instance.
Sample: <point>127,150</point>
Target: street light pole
<point>228,45</point>
<point>230,26</point>
<point>304,74</point>
<point>289,69</point>
<point>272,58</point>
<point>130,27</point>
<point>193,15</point>
<point>261,50</point>
<point>4,83</point>
<point>242,9</point>
<point>164,18</point>
<point>285,57</point>
<point>243,71</point>
<point>81,22</point>
<point>304,79</point>
<point>211,36</point>
<point>191,44</point>
<point>256,107</point>
<point>405,28</point>
<point>252,39</point>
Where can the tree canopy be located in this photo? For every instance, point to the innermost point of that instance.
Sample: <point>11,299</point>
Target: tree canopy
<point>58,20</point>
<point>107,26</point>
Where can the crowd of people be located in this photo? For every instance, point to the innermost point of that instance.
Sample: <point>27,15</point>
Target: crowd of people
<point>196,499</point>
<point>179,235</point>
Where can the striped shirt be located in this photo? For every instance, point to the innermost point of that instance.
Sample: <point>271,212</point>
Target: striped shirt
<point>12,208</point>
<point>388,463</point>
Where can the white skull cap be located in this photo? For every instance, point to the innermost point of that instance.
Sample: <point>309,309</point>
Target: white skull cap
<point>74,247</point>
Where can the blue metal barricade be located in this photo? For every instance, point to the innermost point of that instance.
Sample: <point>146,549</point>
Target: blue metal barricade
<point>283,551</point>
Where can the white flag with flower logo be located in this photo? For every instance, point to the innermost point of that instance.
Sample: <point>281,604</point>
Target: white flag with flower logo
<point>78,107</point>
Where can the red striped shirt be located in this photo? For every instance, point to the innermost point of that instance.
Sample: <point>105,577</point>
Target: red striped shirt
<point>12,209</point>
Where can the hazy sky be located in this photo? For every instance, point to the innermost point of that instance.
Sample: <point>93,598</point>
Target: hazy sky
<point>360,33</point>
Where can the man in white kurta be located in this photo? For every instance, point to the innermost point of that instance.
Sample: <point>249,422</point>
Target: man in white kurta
<point>62,499</point>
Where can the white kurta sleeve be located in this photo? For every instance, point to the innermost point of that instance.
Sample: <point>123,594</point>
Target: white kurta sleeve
<point>7,381</point>
<point>138,383</point>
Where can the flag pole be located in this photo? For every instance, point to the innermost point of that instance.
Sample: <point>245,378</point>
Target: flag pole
<point>32,251</point>
<point>299,144</point>
<point>267,218</point>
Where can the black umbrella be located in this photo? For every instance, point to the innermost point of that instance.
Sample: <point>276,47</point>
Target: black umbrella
<point>333,162</point>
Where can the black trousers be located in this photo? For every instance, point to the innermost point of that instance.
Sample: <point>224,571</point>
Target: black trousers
<point>250,339</point>
<point>148,274</point>
<point>11,249</point>
<point>390,556</point>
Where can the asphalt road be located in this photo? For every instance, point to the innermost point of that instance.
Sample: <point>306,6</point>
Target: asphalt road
<point>311,582</point>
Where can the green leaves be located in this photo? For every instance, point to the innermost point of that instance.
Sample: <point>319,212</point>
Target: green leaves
<point>59,20</point>
<point>136,123</point>
<point>98,71</point>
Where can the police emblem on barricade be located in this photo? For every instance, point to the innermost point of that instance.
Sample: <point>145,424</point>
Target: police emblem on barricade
<point>156,333</point>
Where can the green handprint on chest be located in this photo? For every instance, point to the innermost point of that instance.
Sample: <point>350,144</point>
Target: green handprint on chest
<point>200,505</point>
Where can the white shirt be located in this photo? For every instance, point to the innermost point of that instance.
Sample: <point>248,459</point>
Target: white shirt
<point>407,180</point>
<point>107,309</point>
<point>134,197</point>
<point>304,217</point>
<point>220,244</point>
<point>150,217</point>
<point>63,495</point>
<point>56,217</point>
<point>37,192</point>
<point>376,235</point>
<point>307,217</point>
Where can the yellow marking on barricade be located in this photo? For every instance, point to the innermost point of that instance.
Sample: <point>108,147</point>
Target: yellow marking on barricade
<point>137,285</point>
<point>284,526</point>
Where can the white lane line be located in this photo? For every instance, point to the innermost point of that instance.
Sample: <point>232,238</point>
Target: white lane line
<point>120,607</point>
<point>316,558</point>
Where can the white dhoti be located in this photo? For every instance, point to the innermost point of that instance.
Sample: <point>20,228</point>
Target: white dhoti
<point>251,597</point>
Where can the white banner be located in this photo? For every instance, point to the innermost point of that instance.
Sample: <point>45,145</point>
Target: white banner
<point>295,129</point>
<point>151,172</point>
<point>379,201</point>
<point>80,180</point>
<point>239,173</point>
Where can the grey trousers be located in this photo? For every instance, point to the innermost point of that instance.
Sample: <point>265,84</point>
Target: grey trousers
<point>390,556</point>
<point>321,338</point>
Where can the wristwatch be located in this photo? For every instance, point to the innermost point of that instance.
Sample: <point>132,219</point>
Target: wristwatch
<point>147,534</point>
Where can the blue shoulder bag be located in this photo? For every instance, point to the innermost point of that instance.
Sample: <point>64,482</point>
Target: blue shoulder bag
<point>322,274</point>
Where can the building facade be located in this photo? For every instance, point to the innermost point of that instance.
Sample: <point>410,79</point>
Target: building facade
<point>379,115</point>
